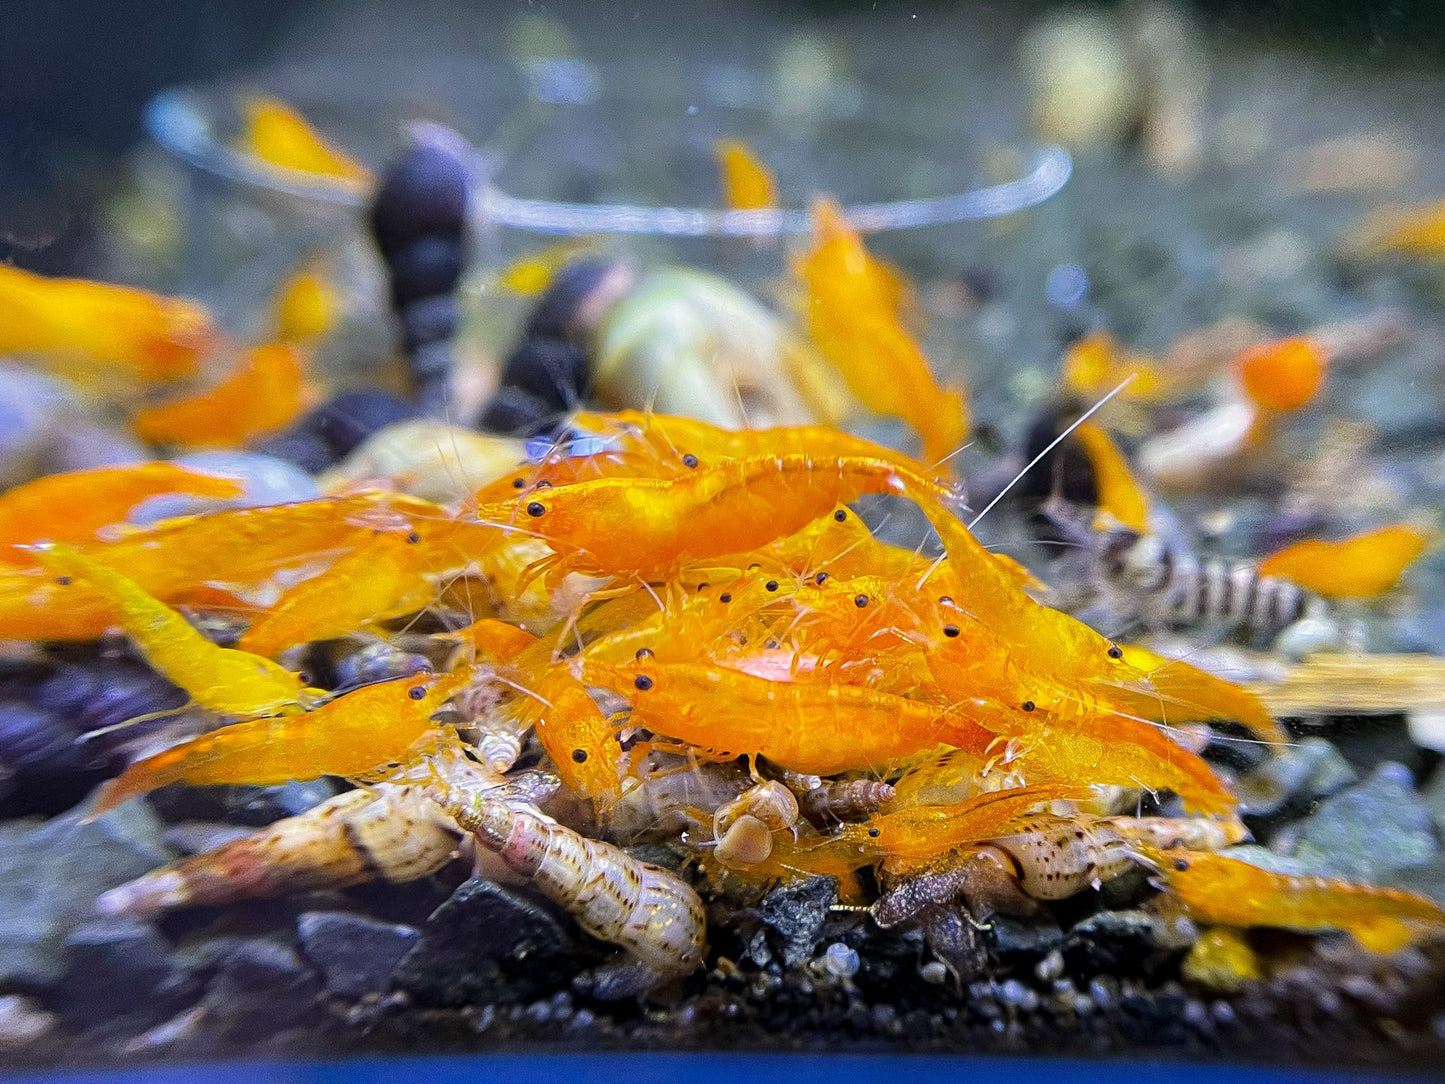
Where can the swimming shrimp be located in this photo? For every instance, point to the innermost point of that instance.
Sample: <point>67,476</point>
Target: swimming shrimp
<point>377,580</point>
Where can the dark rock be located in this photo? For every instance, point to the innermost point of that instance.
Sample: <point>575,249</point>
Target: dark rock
<point>246,805</point>
<point>553,373</point>
<point>50,875</point>
<point>303,449</point>
<point>1121,943</point>
<point>355,955</point>
<point>122,970</point>
<point>795,914</point>
<point>50,705</point>
<point>487,944</point>
<point>1014,939</point>
<point>259,986</point>
<point>957,943</point>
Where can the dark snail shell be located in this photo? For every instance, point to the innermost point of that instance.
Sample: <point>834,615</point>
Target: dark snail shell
<point>419,220</point>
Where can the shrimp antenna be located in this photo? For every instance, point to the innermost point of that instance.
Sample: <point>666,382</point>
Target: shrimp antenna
<point>957,451</point>
<point>1080,420</point>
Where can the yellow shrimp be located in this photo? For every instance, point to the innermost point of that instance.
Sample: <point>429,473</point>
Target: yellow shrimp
<point>1219,889</point>
<point>223,680</point>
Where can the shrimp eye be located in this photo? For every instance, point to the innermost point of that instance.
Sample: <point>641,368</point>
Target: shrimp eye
<point>644,653</point>
<point>771,585</point>
<point>1181,865</point>
<point>945,600</point>
<point>950,630</point>
<point>821,577</point>
<point>840,515</point>
<point>536,508</point>
<point>860,601</point>
<point>874,833</point>
<point>64,581</point>
<point>725,597</point>
<point>579,756</point>
<point>413,537</point>
<point>771,645</point>
<point>689,460</point>
<point>1116,652</point>
<point>544,484</point>
<point>643,682</point>
<point>1027,705</point>
<point>416,692</point>
<point>519,483</point>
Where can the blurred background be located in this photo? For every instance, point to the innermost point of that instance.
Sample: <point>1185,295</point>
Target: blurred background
<point>77,73</point>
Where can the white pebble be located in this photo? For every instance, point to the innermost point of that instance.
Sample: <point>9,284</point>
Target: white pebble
<point>933,973</point>
<point>840,960</point>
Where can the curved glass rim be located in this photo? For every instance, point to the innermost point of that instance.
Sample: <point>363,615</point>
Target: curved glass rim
<point>178,121</point>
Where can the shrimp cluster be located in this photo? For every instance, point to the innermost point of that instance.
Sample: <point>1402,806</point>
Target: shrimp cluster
<point>667,598</point>
<point>647,624</point>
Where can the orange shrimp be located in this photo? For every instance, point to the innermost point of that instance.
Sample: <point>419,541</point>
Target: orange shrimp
<point>578,736</point>
<point>264,394</point>
<point>815,729</point>
<point>747,184</point>
<point>278,135</point>
<point>852,312</point>
<point>673,442</point>
<point>306,306</point>
<point>493,642</point>
<point>653,525</point>
<point>151,337</point>
<point>1360,566</point>
<point>1120,495</point>
<point>71,507</point>
<point>220,679</point>
<point>1097,362</point>
<point>351,735</point>
<point>1110,749</point>
<point>906,839</point>
<point>1285,375</point>
<point>1189,693</point>
<point>377,580</point>
<point>1417,232</point>
<point>1080,668</point>
<point>1216,888</point>
<point>174,557</point>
